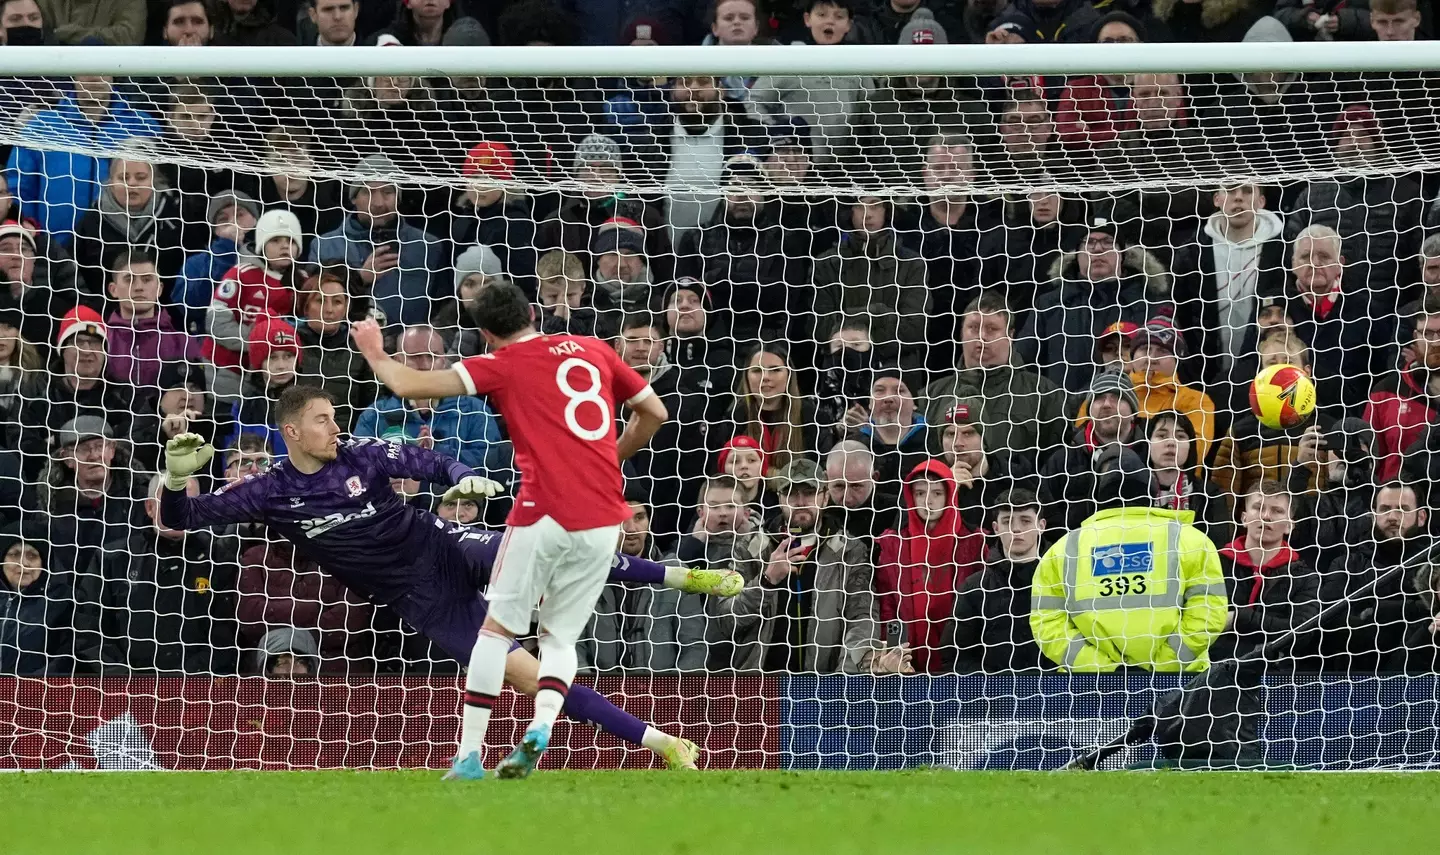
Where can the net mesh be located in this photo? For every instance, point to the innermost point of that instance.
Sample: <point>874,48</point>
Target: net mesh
<point>911,332</point>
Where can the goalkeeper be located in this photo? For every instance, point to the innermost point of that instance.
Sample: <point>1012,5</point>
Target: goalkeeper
<point>333,501</point>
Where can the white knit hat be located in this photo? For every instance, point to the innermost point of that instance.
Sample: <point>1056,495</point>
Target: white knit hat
<point>274,223</point>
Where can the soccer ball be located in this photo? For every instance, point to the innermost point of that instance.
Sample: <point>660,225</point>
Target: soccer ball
<point>1282,397</point>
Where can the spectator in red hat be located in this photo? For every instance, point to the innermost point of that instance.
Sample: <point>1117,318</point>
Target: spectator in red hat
<point>743,459</point>
<point>489,213</point>
<point>77,386</point>
<point>272,357</point>
<point>1378,216</point>
<point>1114,346</point>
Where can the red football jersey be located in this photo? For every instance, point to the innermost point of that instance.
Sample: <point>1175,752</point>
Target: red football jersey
<point>557,394</point>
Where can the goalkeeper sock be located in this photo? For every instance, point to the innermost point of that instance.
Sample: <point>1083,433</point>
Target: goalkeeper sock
<point>585,704</point>
<point>628,568</point>
<point>558,663</point>
<point>656,740</point>
<point>482,686</point>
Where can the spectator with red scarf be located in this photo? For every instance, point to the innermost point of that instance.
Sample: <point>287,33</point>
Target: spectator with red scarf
<point>1067,479</point>
<point>1271,587</point>
<point>923,564</point>
<point>1179,479</point>
<point>1406,401</point>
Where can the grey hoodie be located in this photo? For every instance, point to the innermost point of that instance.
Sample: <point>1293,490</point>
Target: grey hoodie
<point>1237,273</point>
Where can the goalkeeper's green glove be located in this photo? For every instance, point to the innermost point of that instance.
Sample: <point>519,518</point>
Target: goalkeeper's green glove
<point>473,488</point>
<point>185,455</point>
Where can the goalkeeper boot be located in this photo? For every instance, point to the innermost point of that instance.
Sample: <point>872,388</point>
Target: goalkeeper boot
<point>681,754</point>
<point>523,759</point>
<point>465,768</point>
<point>701,580</point>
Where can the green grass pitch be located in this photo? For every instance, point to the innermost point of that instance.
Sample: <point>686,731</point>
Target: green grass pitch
<point>639,813</point>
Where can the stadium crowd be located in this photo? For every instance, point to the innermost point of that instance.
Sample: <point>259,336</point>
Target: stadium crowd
<point>894,379</point>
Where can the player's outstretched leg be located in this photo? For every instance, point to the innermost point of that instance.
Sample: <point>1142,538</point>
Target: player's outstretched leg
<point>482,686</point>
<point>584,704</point>
<point>690,580</point>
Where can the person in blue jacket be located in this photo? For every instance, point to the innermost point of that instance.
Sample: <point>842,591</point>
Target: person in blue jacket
<point>405,266</point>
<point>55,185</point>
<point>461,427</point>
<point>232,215</point>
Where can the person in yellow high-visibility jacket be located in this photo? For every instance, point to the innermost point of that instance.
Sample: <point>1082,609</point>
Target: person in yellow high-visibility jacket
<point>1134,586</point>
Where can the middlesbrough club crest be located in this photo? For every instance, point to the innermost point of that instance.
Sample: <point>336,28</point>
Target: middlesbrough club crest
<point>353,486</point>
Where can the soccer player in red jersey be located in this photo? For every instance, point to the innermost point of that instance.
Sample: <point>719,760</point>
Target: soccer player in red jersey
<point>558,395</point>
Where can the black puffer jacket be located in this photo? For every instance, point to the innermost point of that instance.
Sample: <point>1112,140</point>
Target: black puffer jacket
<point>1072,312</point>
<point>991,628</point>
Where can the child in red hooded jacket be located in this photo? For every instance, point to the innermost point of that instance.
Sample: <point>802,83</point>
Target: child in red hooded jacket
<point>923,563</point>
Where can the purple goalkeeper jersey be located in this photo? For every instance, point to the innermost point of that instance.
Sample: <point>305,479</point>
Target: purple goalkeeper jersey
<point>347,518</point>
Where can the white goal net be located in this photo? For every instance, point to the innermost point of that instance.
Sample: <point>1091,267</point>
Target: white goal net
<point>958,358</point>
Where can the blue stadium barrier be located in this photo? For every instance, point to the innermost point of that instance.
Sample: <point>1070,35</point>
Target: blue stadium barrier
<point>1038,722</point>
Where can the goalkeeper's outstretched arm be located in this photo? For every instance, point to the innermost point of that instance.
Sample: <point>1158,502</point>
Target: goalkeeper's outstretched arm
<point>185,455</point>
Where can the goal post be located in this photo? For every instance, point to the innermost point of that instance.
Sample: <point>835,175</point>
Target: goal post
<point>917,312</point>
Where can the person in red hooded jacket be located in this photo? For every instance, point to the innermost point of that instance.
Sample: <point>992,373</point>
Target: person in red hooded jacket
<point>923,564</point>
<point>1405,402</point>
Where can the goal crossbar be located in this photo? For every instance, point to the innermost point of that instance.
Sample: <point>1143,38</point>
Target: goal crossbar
<point>718,60</point>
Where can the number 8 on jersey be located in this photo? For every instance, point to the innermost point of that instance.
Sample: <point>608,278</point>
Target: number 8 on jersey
<point>558,397</point>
